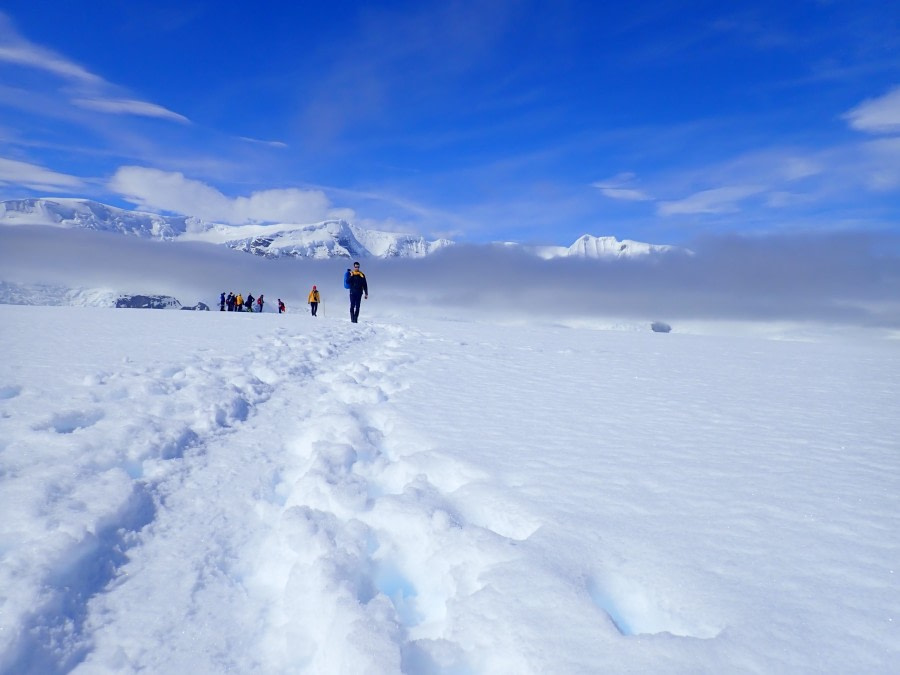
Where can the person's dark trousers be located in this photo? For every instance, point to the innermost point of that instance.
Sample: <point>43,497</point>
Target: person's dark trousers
<point>313,307</point>
<point>355,301</point>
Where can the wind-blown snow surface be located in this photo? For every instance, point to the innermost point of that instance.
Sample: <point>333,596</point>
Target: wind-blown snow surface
<point>211,492</point>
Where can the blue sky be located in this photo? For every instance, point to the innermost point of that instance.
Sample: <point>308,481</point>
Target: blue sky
<point>490,120</point>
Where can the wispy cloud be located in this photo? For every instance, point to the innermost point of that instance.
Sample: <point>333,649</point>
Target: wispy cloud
<point>90,90</point>
<point>42,59</point>
<point>171,191</point>
<point>617,187</point>
<point>16,50</point>
<point>717,200</point>
<point>121,106</point>
<point>877,115</point>
<point>36,177</point>
<point>257,141</point>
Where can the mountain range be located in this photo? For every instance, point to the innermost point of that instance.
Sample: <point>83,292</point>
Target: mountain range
<point>326,239</point>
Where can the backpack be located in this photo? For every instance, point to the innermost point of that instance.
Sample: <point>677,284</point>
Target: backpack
<point>347,278</point>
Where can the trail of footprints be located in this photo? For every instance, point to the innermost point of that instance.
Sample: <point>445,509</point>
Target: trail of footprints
<point>368,514</point>
<point>374,534</point>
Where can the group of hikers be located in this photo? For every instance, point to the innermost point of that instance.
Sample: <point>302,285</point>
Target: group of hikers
<point>354,281</point>
<point>239,303</point>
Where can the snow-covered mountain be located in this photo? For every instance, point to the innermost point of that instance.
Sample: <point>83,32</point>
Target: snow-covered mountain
<point>327,239</point>
<point>91,215</point>
<point>332,239</point>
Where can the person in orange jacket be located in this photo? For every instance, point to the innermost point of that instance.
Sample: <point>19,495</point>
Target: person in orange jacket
<point>314,299</point>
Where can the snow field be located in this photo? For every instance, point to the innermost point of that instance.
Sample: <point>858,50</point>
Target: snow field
<point>733,493</point>
<point>208,492</point>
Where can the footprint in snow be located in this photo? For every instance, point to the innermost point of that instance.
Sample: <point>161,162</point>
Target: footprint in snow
<point>9,391</point>
<point>69,422</point>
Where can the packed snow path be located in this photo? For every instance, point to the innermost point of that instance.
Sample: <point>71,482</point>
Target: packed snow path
<point>207,492</point>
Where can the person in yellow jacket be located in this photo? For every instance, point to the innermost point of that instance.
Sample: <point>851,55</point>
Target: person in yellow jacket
<point>314,300</point>
<point>239,303</point>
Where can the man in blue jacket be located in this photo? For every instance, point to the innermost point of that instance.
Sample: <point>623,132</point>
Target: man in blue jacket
<point>358,288</point>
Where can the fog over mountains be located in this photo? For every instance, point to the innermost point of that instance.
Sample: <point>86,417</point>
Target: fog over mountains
<point>80,252</point>
<point>328,239</point>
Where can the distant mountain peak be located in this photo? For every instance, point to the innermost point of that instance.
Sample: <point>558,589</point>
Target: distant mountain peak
<point>589,246</point>
<point>599,248</point>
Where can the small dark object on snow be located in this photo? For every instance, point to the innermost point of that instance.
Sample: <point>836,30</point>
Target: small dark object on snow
<point>660,327</point>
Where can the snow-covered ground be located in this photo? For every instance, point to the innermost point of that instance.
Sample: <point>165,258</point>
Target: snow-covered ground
<point>206,492</point>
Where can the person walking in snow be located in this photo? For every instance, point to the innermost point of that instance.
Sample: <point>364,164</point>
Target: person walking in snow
<point>249,302</point>
<point>222,302</point>
<point>313,300</point>
<point>259,303</point>
<point>359,287</point>
<point>281,307</point>
<point>239,303</point>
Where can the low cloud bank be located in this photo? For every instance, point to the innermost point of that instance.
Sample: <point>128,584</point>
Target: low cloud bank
<point>840,279</point>
<point>832,279</point>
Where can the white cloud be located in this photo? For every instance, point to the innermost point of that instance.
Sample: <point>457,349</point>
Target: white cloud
<point>119,106</point>
<point>157,190</point>
<point>877,115</point>
<point>625,194</point>
<point>17,50</point>
<point>717,200</point>
<point>43,59</point>
<point>797,168</point>
<point>271,144</point>
<point>616,188</point>
<point>34,177</point>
